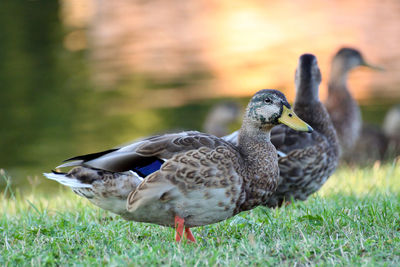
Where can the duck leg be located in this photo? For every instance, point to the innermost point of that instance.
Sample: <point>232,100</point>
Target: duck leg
<point>189,235</point>
<point>179,224</point>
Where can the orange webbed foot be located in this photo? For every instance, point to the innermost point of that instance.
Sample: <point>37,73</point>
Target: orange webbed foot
<point>189,235</point>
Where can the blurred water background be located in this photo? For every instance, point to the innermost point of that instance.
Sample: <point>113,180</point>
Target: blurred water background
<point>80,76</point>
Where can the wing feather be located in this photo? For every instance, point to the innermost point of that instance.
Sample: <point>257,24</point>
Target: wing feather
<point>161,146</point>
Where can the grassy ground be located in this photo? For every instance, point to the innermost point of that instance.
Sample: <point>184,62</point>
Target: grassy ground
<point>354,220</point>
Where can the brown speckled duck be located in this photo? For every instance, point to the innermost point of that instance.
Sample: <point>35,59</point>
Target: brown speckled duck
<point>306,160</point>
<point>342,108</point>
<point>187,179</point>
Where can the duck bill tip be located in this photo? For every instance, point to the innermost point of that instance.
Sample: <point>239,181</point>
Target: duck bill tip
<point>290,119</point>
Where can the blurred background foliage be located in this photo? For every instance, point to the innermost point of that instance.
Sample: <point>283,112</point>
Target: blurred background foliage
<point>79,76</point>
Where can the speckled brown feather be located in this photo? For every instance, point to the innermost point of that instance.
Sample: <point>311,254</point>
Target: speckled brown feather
<point>262,175</point>
<point>308,165</point>
<point>109,190</point>
<point>209,184</point>
<point>198,171</point>
<point>308,158</point>
<point>166,146</point>
<point>202,179</point>
<point>246,183</point>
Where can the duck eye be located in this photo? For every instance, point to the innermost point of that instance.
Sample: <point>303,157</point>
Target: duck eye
<point>290,115</point>
<point>268,101</point>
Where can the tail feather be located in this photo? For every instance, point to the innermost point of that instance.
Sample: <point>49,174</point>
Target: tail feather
<point>107,190</point>
<point>65,180</point>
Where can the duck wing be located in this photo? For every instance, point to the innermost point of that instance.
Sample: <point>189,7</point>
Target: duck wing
<point>148,153</point>
<point>201,185</point>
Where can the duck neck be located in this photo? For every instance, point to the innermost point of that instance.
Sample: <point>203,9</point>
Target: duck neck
<point>249,134</point>
<point>307,93</point>
<point>316,115</point>
<point>260,172</point>
<point>338,78</point>
<point>339,98</point>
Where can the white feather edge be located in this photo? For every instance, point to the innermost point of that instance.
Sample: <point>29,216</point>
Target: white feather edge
<point>70,164</point>
<point>232,138</point>
<point>280,154</point>
<point>136,175</point>
<point>64,180</point>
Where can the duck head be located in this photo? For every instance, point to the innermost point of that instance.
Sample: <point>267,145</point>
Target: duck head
<point>348,58</point>
<point>307,79</point>
<point>268,108</point>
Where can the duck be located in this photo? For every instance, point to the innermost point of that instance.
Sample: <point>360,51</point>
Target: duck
<point>306,160</point>
<point>220,117</point>
<point>187,179</point>
<point>371,147</point>
<point>391,129</point>
<point>378,143</point>
<point>342,107</point>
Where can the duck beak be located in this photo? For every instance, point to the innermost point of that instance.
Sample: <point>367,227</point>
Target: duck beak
<point>374,67</point>
<point>289,118</point>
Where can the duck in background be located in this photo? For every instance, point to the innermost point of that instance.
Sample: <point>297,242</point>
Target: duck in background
<point>391,129</point>
<point>309,159</point>
<point>187,179</point>
<point>342,107</point>
<point>377,143</point>
<point>370,147</point>
<point>220,117</point>
<point>306,160</point>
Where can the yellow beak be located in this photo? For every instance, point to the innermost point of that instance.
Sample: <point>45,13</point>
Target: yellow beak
<point>290,119</point>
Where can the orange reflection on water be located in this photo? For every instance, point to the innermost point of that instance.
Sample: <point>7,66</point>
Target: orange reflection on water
<point>243,45</point>
<point>260,43</point>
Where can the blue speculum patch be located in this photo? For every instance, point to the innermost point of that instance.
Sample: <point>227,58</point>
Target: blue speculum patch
<point>153,166</point>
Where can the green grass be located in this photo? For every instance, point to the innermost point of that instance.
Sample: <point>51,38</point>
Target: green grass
<point>354,220</point>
